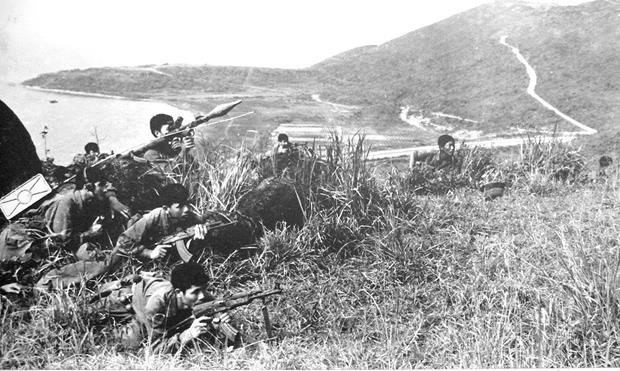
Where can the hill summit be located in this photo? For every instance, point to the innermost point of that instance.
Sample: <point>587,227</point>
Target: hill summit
<point>457,67</point>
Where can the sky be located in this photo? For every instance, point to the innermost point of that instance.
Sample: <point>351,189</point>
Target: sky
<point>38,36</point>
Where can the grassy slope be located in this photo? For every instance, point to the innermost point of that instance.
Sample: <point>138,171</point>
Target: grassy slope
<point>382,278</point>
<point>457,65</point>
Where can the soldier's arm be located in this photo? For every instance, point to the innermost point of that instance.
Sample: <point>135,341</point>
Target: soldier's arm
<point>131,243</point>
<point>153,155</point>
<point>431,160</point>
<point>157,313</point>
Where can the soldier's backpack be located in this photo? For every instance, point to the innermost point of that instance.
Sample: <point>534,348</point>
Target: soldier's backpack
<point>23,240</point>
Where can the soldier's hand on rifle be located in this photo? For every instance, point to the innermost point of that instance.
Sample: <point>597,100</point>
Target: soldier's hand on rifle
<point>200,231</point>
<point>96,229</point>
<point>220,319</point>
<point>198,327</point>
<point>159,252</point>
<point>188,142</point>
<point>175,143</point>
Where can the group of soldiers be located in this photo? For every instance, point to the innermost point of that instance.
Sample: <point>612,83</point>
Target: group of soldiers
<point>82,217</point>
<point>77,221</point>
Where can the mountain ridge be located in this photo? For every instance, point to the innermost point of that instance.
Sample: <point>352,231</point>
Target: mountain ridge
<point>456,66</point>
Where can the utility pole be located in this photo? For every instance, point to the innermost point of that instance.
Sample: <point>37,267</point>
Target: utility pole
<point>44,135</point>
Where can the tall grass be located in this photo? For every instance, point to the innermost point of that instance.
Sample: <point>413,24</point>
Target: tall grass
<point>385,276</point>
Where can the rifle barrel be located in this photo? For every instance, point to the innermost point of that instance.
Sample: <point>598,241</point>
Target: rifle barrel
<point>218,306</point>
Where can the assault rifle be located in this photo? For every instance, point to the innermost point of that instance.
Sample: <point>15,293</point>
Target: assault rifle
<point>178,239</point>
<point>213,307</point>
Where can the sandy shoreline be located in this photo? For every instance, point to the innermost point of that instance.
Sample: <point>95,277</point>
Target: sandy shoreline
<point>81,93</point>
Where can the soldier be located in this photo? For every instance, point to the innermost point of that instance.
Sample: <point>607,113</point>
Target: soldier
<point>283,146</point>
<point>160,125</point>
<point>75,217</point>
<point>92,149</point>
<point>160,305</point>
<point>604,163</point>
<point>282,156</point>
<point>83,160</point>
<point>90,156</point>
<point>139,240</point>
<point>445,158</point>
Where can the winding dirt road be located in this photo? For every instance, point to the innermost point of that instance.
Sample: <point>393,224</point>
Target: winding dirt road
<point>531,90</point>
<point>565,136</point>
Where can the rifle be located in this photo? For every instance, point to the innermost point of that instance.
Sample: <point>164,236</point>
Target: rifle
<point>213,307</point>
<point>178,239</point>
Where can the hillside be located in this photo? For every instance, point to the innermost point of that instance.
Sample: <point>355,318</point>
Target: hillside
<point>416,271</point>
<point>458,66</point>
<point>455,67</point>
<point>146,81</point>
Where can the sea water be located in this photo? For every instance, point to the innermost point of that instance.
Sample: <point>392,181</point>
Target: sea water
<point>74,120</point>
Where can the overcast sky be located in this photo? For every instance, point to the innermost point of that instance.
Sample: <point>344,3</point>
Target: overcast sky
<point>48,35</point>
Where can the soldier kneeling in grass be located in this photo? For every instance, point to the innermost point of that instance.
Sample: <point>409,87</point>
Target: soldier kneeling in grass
<point>445,158</point>
<point>160,306</point>
<point>73,220</point>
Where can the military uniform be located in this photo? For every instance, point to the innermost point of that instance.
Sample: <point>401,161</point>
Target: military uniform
<point>163,152</point>
<point>157,312</point>
<point>70,215</point>
<point>151,228</point>
<point>73,215</point>
<point>441,161</point>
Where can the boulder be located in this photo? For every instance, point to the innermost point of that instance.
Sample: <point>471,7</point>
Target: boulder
<point>230,233</point>
<point>18,156</point>
<point>274,200</point>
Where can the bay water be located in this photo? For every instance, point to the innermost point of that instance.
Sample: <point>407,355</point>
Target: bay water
<point>74,120</point>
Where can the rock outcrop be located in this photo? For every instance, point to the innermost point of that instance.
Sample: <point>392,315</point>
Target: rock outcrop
<point>274,200</point>
<point>18,156</point>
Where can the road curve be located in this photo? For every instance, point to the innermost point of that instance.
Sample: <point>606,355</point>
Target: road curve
<point>585,130</point>
<point>502,142</point>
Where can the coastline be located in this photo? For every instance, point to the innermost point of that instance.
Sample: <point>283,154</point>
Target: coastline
<point>81,93</point>
<point>115,122</point>
<point>104,96</point>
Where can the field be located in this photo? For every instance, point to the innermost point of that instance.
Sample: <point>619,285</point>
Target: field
<point>407,269</point>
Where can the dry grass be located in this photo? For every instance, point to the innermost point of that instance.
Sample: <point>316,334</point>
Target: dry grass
<point>380,277</point>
